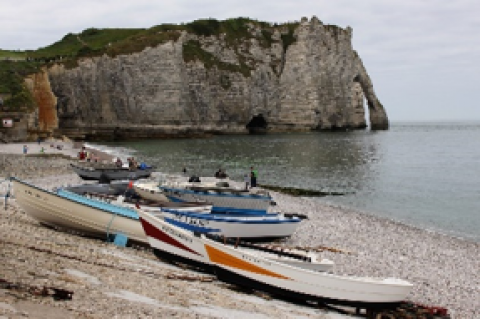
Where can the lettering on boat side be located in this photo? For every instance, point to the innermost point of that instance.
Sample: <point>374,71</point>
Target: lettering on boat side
<point>178,235</point>
<point>191,221</point>
<point>255,260</point>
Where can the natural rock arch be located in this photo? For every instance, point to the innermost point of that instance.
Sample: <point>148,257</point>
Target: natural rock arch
<point>377,114</point>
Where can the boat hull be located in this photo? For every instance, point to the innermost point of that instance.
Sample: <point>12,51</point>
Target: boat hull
<point>234,278</point>
<point>54,210</point>
<point>149,191</point>
<point>222,202</point>
<point>173,243</point>
<point>90,173</point>
<point>176,244</point>
<point>248,227</point>
<point>243,269</point>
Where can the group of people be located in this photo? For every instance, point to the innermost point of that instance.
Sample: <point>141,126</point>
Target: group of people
<point>132,163</point>
<point>220,173</point>
<point>249,179</point>
<point>59,147</point>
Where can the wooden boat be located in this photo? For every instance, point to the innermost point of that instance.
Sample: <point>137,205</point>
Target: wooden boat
<point>223,197</point>
<point>243,268</point>
<point>110,172</point>
<point>75,212</point>
<point>101,219</point>
<point>174,240</point>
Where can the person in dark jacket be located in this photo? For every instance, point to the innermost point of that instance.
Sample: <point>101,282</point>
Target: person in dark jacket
<point>253,177</point>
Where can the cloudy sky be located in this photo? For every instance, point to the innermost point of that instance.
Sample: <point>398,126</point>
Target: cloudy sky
<point>422,55</point>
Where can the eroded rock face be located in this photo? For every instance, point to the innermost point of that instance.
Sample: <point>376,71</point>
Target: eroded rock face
<point>46,120</point>
<point>316,83</point>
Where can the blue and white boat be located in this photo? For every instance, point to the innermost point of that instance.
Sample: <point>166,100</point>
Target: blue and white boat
<point>224,197</point>
<point>265,227</point>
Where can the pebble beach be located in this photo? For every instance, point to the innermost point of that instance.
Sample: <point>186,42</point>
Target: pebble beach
<point>129,282</point>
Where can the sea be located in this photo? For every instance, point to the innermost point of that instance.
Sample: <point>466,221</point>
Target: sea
<point>422,174</point>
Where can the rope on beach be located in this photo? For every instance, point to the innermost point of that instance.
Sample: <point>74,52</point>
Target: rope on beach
<point>108,227</point>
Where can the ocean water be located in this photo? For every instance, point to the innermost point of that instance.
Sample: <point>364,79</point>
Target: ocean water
<point>422,174</point>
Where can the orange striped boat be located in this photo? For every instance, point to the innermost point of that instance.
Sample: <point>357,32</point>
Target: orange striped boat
<point>244,268</point>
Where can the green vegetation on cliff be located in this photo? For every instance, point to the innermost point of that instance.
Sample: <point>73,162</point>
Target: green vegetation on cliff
<point>237,34</point>
<point>192,50</point>
<point>96,42</point>
<point>73,44</point>
<point>12,74</point>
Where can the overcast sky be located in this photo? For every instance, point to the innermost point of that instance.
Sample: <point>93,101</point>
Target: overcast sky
<point>423,56</point>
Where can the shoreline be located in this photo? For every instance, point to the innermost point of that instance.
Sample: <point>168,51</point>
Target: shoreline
<point>49,147</point>
<point>398,221</point>
<point>443,268</point>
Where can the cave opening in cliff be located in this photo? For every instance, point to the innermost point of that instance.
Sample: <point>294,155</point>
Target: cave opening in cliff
<point>257,125</point>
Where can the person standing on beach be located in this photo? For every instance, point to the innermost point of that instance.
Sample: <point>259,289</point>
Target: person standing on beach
<point>119,162</point>
<point>253,177</point>
<point>81,155</point>
<point>25,149</point>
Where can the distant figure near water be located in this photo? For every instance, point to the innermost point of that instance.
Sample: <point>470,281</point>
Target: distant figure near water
<point>253,177</point>
<point>220,174</point>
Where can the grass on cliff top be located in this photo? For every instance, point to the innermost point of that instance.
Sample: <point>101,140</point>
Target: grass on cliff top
<point>71,44</point>
<point>114,41</point>
<point>14,55</point>
<point>15,65</point>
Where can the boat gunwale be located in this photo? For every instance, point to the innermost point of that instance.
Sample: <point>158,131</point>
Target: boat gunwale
<point>204,193</point>
<point>71,200</point>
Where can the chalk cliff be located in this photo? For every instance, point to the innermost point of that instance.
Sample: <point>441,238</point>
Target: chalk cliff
<point>314,81</point>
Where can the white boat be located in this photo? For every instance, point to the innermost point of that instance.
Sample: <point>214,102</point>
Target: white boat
<point>109,172</point>
<point>259,227</point>
<point>242,268</point>
<point>72,211</point>
<point>175,241</point>
<point>149,190</point>
<point>224,197</point>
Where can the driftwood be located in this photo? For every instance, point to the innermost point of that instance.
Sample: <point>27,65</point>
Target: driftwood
<point>190,277</point>
<point>307,249</point>
<point>56,293</point>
